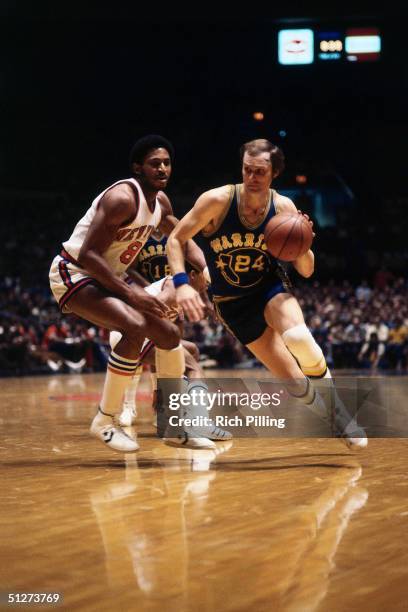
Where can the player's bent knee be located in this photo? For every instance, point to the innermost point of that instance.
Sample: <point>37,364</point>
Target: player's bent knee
<point>134,331</point>
<point>170,339</point>
<point>305,349</point>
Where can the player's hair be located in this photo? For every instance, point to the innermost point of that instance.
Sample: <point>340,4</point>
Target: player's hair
<point>260,145</point>
<point>142,147</point>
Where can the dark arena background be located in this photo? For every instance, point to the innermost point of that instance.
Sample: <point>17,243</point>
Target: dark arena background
<point>295,523</point>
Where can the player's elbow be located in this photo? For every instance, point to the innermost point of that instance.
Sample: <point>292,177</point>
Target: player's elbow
<point>174,241</point>
<point>307,273</point>
<point>305,264</point>
<point>305,269</point>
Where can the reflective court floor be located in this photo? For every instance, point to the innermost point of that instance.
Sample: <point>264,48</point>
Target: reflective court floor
<point>261,524</point>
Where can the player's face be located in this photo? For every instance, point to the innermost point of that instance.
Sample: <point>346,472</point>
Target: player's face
<point>257,172</point>
<point>156,169</point>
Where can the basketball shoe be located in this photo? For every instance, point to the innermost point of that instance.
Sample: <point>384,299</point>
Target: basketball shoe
<point>347,429</point>
<point>185,440</point>
<point>327,405</point>
<point>128,415</point>
<point>102,427</point>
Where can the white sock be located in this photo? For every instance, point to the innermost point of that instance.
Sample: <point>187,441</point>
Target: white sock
<point>130,391</point>
<point>153,381</point>
<point>116,380</point>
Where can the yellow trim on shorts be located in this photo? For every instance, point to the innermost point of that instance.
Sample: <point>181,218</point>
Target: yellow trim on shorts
<point>223,320</point>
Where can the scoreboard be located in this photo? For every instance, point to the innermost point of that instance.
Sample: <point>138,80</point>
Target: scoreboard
<point>306,45</point>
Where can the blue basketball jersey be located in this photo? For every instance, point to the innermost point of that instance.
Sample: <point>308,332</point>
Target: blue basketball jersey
<point>236,253</point>
<point>152,262</point>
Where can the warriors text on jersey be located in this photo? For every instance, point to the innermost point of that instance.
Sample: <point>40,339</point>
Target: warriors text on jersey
<point>236,253</point>
<point>152,262</point>
<point>129,240</point>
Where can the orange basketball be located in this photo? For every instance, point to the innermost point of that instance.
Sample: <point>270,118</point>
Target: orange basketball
<point>288,235</point>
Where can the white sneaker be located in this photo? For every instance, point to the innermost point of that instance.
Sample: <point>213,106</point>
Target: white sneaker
<point>186,441</point>
<point>114,437</point>
<point>76,366</point>
<point>128,415</point>
<point>355,443</point>
<point>348,430</point>
<point>342,425</point>
<point>55,366</point>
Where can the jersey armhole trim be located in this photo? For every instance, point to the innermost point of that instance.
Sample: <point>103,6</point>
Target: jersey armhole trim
<point>273,202</point>
<point>224,214</point>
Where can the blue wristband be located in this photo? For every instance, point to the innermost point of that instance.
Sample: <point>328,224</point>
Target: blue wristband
<point>181,278</point>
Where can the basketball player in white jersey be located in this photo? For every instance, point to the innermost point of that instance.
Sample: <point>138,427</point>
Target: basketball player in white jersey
<point>249,295</point>
<point>87,278</point>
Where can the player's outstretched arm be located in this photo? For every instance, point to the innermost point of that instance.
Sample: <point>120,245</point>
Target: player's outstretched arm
<point>192,252</point>
<point>206,209</point>
<point>304,264</point>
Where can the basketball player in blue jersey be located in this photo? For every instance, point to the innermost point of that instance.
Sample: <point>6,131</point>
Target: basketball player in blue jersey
<point>88,278</point>
<point>250,291</point>
<point>152,262</point>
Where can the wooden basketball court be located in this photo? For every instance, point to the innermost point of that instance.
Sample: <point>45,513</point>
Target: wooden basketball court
<point>262,524</point>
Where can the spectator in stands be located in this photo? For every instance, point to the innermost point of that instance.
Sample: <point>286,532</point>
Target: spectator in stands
<point>371,352</point>
<point>397,345</point>
<point>354,335</point>
<point>363,292</point>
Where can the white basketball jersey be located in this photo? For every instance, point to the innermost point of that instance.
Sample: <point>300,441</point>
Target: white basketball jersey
<point>129,240</point>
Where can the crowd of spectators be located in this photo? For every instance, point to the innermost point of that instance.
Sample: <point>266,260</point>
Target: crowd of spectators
<point>358,327</point>
<point>358,323</point>
<point>36,338</point>
<point>363,326</point>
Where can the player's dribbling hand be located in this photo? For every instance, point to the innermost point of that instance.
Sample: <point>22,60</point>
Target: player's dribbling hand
<point>308,219</point>
<point>191,303</point>
<point>143,302</point>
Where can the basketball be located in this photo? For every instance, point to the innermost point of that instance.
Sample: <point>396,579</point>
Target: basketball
<point>288,235</point>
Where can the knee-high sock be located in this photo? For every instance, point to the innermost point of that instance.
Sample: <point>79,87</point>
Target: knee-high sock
<point>119,371</point>
<point>323,400</point>
<point>198,408</point>
<point>341,417</point>
<point>170,366</point>
<point>130,391</point>
<point>306,351</point>
<point>310,358</point>
<point>153,380</point>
